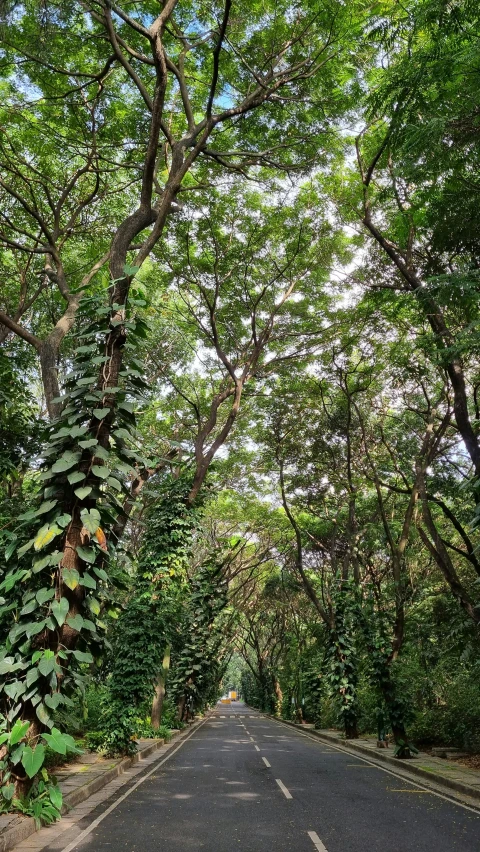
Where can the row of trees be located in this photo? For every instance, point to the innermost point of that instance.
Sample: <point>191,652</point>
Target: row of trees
<point>239,401</point>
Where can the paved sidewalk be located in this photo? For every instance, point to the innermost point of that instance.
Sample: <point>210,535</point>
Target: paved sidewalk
<point>441,772</point>
<point>86,778</point>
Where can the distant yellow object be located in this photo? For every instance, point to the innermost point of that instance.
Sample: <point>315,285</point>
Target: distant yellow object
<point>232,695</point>
<point>225,701</point>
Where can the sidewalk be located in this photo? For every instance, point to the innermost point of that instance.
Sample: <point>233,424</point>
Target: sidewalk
<point>438,772</point>
<point>83,779</point>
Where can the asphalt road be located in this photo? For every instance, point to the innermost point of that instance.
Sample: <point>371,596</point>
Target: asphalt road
<point>244,782</point>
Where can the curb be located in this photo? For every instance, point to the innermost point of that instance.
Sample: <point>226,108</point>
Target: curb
<point>406,766</point>
<point>26,825</point>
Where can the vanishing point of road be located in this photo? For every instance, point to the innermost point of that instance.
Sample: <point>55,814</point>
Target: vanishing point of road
<point>244,782</point>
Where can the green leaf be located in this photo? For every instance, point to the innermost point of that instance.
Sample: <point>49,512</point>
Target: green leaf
<point>43,715</point>
<point>122,434</point>
<point>77,431</point>
<point>76,622</point>
<point>7,792</point>
<point>70,577</point>
<point>10,549</point>
<point>56,741</point>
<point>88,582</point>
<point>38,564</point>
<point>29,607</point>
<point>102,453</point>
<point>46,666</point>
<point>100,413</point>
<point>17,754</point>
<point>45,535</point>
<point>56,557</point>
<point>32,676</point>
<point>25,547</point>
<point>18,731</point>
<point>54,700</point>
<point>45,595</point>
<point>101,573</point>
<point>90,520</point>
<point>32,759</point>
<point>63,520</point>
<point>82,656</point>
<point>45,507</point>
<point>86,444</point>
<point>88,554</point>
<point>60,610</point>
<point>101,471</point>
<point>8,663</point>
<point>76,476</point>
<point>56,797</point>
<point>114,483</point>
<point>94,606</point>
<point>83,492</point>
<point>65,462</point>
<point>130,270</point>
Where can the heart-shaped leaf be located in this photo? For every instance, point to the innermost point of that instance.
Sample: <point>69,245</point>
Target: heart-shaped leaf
<point>54,700</point>
<point>90,520</point>
<point>56,741</point>
<point>60,610</point>
<point>65,463</point>
<point>45,535</point>
<point>32,759</point>
<point>87,554</point>
<point>70,577</point>
<point>76,622</point>
<point>101,471</point>
<point>83,492</point>
<point>46,665</point>
<point>45,595</point>
<point>76,476</point>
<point>100,413</point>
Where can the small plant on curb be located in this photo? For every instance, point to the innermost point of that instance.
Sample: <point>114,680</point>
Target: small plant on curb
<point>43,801</point>
<point>22,759</point>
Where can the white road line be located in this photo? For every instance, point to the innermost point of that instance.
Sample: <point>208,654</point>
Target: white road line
<point>252,739</point>
<point>257,748</point>
<point>425,786</point>
<point>284,790</point>
<point>316,841</point>
<point>109,810</point>
<point>268,765</point>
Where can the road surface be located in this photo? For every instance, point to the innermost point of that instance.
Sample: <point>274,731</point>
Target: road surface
<point>244,782</point>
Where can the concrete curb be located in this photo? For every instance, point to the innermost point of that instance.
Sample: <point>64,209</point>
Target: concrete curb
<point>407,767</point>
<point>25,826</point>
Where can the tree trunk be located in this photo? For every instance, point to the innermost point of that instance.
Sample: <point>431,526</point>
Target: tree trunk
<point>157,704</point>
<point>351,730</point>
<point>279,697</point>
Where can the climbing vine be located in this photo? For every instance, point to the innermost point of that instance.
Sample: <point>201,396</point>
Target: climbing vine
<point>58,624</point>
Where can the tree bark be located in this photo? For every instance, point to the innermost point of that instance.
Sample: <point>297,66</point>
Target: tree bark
<point>158,699</point>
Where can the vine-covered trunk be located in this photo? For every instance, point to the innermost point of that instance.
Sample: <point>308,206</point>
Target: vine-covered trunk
<point>278,696</point>
<point>159,697</point>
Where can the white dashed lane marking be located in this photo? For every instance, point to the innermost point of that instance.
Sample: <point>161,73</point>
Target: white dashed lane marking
<point>268,765</point>
<point>316,841</point>
<point>284,790</point>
